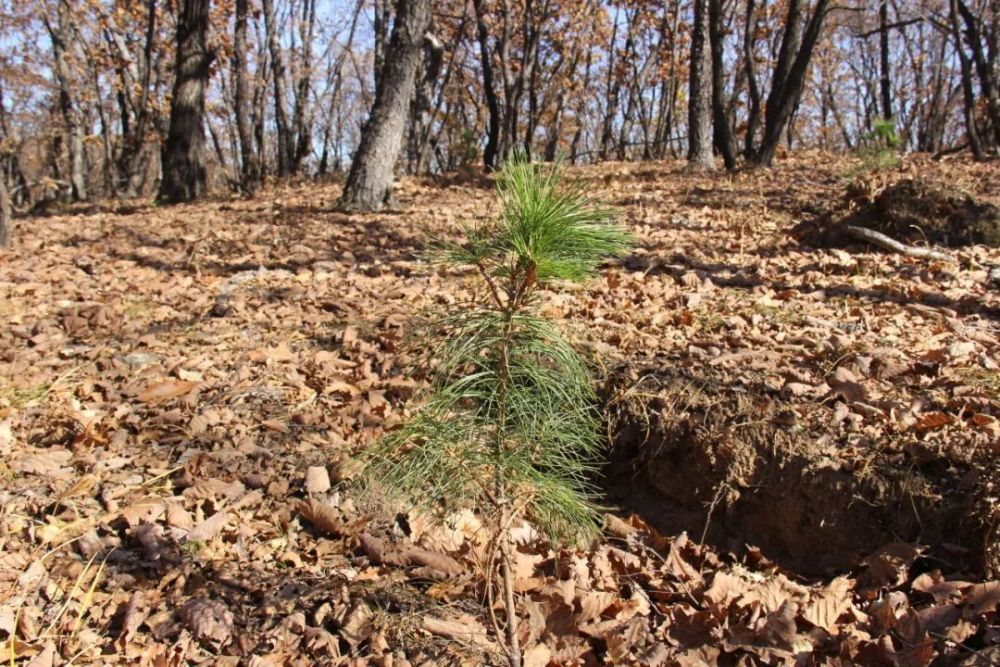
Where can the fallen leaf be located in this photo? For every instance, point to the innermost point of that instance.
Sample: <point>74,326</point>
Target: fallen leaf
<point>165,390</point>
<point>208,620</point>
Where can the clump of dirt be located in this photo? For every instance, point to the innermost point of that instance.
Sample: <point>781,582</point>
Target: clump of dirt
<point>910,210</point>
<point>917,210</point>
<point>739,464</point>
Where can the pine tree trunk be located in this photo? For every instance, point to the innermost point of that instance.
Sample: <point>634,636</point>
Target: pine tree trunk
<point>700,92</point>
<point>249,168</point>
<point>184,176</point>
<point>369,183</point>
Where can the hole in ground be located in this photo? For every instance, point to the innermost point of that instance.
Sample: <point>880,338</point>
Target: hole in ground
<point>743,464</point>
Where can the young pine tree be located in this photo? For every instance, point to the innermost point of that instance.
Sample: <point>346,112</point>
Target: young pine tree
<point>509,425</point>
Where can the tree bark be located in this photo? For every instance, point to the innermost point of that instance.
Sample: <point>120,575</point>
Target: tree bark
<point>700,91</point>
<point>789,75</point>
<point>286,146</point>
<point>492,151</point>
<point>968,90</point>
<point>59,35</point>
<point>302,116</point>
<point>5,215</point>
<point>184,176</point>
<point>249,166</point>
<point>722,131</point>
<point>885,73</point>
<point>984,68</point>
<point>753,88</point>
<point>420,106</point>
<point>369,183</point>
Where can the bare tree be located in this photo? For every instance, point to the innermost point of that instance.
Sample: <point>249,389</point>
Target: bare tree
<point>722,130</point>
<point>59,35</point>
<point>797,46</point>
<point>249,165</point>
<point>700,91</point>
<point>5,215</point>
<point>369,183</point>
<point>184,177</point>
<point>279,68</point>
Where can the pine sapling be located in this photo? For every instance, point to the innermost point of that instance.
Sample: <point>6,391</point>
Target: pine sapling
<point>509,425</point>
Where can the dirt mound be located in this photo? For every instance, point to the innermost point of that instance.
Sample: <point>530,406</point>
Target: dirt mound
<point>744,464</point>
<point>911,211</point>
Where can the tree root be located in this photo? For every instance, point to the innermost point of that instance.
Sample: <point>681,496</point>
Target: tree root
<point>887,243</point>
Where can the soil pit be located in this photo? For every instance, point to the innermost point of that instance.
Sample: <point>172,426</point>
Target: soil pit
<point>740,464</point>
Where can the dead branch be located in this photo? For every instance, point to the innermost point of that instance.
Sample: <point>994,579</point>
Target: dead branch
<point>883,241</point>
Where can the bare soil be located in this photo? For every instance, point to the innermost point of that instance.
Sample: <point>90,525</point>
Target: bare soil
<point>746,465</point>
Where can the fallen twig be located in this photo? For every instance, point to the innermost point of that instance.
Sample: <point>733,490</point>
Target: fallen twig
<point>883,241</point>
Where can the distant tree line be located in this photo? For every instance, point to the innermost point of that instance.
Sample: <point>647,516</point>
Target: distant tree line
<point>120,98</point>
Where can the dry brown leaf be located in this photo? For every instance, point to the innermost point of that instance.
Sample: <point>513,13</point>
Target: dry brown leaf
<point>828,605</point>
<point>890,565</point>
<point>49,462</point>
<point>208,620</point>
<point>209,528</point>
<point>322,516</point>
<point>463,628</point>
<point>724,589</point>
<point>357,627</point>
<point>983,598</point>
<point>165,390</point>
<point>145,510</point>
<point>136,612</point>
<point>439,562</point>
<point>933,420</point>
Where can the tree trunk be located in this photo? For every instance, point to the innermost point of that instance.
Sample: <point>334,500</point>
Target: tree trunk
<point>71,116</point>
<point>700,91</point>
<point>5,214</point>
<point>380,25</point>
<point>184,177</point>
<point>885,77</point>
<point>492,151</point>
<point>302,117</point>
<point>249,166</point>
<point>789,76</point>
<point>420,106</point>
<point>286,147</point>
<point>969,106</point>
<point>984,68</point>
<point>722,131</point>
<point>753,88</point>
<point>369,183</point>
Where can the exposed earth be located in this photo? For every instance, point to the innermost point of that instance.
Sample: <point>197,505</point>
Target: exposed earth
<point>805,438</point>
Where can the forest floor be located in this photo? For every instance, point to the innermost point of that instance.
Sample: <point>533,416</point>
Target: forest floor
<point>183,389</point>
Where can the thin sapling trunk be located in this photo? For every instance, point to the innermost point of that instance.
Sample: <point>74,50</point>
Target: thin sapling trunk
<point>509,424</point>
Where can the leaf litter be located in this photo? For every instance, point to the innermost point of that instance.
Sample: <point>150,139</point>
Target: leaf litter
<point>185,391</point>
